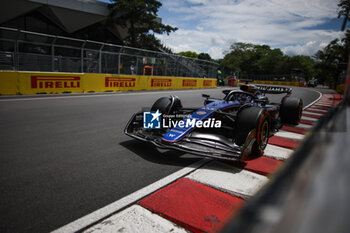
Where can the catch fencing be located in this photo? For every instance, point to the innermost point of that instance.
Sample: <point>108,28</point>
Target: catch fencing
<point>29,51</point>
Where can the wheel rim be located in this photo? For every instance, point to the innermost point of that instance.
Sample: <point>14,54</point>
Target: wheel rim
<point>264,135</point>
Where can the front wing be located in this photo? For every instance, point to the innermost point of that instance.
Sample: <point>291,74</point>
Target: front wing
<point>203,144</point>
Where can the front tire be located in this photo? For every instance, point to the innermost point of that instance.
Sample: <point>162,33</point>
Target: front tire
<point>253,118</point>
<point>167,105</point>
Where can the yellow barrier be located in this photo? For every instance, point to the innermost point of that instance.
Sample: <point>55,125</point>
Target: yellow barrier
<point>14,82</point>
<point>8,83</point>
<point>155,83</point>
<point>97,83</point>
<point>209,83</point>
<point>190,83</point>
<point>50,83</point>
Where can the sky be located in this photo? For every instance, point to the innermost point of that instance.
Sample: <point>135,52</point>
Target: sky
<point>297,27</point>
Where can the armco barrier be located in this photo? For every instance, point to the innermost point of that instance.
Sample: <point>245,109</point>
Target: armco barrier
<point>14,82</point>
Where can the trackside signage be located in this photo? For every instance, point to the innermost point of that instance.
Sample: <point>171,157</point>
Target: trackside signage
<point>53,82</point>
<point>208,83</point>
<point>161,82</point>
<point>189,83</point>
<point>28,83</point>
<point>120,82</point>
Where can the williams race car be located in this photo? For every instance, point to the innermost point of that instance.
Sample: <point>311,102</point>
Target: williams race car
<point>236,127</point>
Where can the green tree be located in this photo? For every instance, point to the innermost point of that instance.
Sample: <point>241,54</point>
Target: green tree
<point>343,11</point>
<point>343,8</point>
<point>204,56</point>
<point>140,18</point>
<point>332,60</point>
<point>148,41</point>
<point>251,59</point>
<point>190,54</point>
<point>234,60</point>
<point>304,63</point>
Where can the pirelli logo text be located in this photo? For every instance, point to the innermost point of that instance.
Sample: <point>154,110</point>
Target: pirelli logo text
<point>189,83</point>
<point>120,82</point>
<point>161,82</point>
<point>47,82</point>
<point>207,83</point>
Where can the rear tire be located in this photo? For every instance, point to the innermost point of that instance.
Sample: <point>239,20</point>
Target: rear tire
<point>291,110</point>
<point>249,119</point>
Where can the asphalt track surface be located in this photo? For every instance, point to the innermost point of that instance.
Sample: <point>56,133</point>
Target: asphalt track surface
<point>65,156</point>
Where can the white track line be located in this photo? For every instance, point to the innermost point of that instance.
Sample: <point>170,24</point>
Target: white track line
<point>135,219</point>
<point>229,179</point>
<point>304,126</point>
<point>313,113</point>
<point>120,204</point>
<point>316,105</point>
<point>325,102</point>
<point>319,97</point>
<point>308,118</point>
<point>317,109</point>
<point>291,135</point>
<point>323,105</point>
<point>277,152</point>
<point>320,106</point>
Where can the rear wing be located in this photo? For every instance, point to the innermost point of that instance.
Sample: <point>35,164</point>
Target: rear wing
<point>273,89</point>
<point>266,89</point>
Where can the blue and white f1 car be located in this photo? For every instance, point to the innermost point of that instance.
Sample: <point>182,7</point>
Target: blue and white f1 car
<point>236,127</point>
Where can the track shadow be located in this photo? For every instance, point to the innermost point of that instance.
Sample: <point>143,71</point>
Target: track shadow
<point>150,153</point>
<point>176,158</point>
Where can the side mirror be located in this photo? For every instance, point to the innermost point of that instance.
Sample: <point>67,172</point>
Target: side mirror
<point>205,96</point>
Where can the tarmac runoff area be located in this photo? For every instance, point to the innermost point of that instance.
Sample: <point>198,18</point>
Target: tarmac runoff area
<point>204,196</point>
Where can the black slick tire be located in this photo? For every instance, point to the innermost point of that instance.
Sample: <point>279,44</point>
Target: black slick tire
<point>249,119</point>
<point>291,110</point>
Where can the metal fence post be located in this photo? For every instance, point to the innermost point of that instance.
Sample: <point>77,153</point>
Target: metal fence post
<point>137,65</point>
<point>16,59</point>
<point>100,59</point>
<point>165,67</point>
<point>120,51</point>
<point>82,57</point>
<point>53,55</point>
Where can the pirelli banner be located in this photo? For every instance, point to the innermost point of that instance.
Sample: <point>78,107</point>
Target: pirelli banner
<point>13,82</point>
<point>49,83</point>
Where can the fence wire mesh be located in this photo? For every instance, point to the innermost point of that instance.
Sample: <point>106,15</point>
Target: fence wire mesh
<point>29,51</point>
